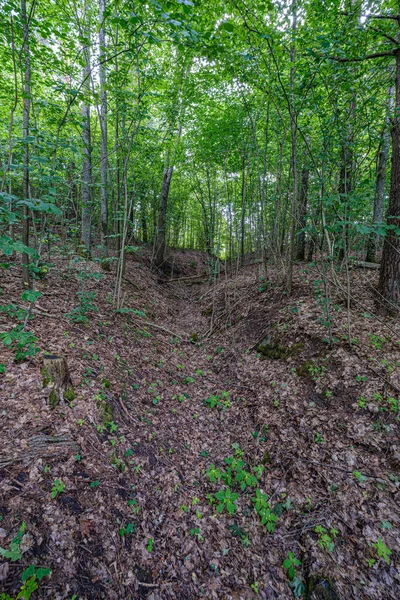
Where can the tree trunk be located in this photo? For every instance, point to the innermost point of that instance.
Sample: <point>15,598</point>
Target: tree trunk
<point>301,237</point>
<point>243,211</point>
<point>103,127</point>
<point>293,130</point>
<point>159,241</point>
<point>389,275</point>
<point>159,244</point>
<point>86,159</point>
<point>373,240</point>
<point>25,180</point>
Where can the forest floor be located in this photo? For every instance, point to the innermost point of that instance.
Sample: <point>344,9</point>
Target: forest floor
<point>121,504</point>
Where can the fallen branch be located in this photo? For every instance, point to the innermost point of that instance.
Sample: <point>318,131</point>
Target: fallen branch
<point>163,329</point>
<point>186,278</point>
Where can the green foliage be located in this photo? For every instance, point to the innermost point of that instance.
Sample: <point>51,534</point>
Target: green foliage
<point>221,401</point>
<point>58,488</point>
<point>382,550</point>
<point>262,507</point>
<point>23,342</point>
<point>290,564</point>
<point>31,578</point>
<point>126,530</point>
<point>359,476</point>
<point>226,500</point>
<point>325,538</point>
<point>79,313</point>
<point>14,553</point>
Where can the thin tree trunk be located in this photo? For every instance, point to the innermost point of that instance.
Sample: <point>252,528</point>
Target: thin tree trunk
<point>389,275</point>
<point>159,243</point>
<point>159,246</point>
<point>373,240</point>
<point>301,237</point>
<point>27,103</point>
<point>86,159</point>
<point>243,211</point>
<point>103,127</point>
<point>293,130</point>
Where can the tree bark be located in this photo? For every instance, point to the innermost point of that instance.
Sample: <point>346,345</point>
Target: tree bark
<point>103,127</point>
<point>293,130</point>
<point>27,103</point>
<point>159,245</point>
<point>159,242</point>
<point>389,275</point>
<point>243,211</point>
<point>373,240</point>
<point>301,237</point>
<point>86,159</point>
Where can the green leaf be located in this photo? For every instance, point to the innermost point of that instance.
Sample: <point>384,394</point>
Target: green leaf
<point>42,572</point>
<point>29,572</point>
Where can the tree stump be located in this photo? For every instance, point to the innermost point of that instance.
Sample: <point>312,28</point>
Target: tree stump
<point>56,375</point>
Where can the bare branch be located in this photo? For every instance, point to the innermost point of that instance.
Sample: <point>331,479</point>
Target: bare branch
<point>367,57</point>
<point>388,37</point>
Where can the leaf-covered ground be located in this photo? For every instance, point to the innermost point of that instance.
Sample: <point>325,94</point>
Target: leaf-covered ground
<point>117,487</point>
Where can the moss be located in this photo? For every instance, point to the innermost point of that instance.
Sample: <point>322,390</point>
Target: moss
<point>53,398</point>
<point>320,588</point>
<point>296,348</point>
<point>106,411</point>
<point>266,458</point>
<point>45,377</point>
<point>271,348</point>
<point>105,264</point>
<point>304,369</point>
<point>69,394</point>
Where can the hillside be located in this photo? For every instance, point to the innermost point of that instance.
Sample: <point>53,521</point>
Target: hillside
<point>192,388</point>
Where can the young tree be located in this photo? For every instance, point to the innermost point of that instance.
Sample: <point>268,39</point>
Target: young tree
<point>103,127</point>
<point>26,70</point>
<point>86,188</point>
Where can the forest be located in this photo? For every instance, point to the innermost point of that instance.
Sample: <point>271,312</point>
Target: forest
<point>199,299</point>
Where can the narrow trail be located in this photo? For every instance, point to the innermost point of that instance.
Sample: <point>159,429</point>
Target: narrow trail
<point>138,517</point>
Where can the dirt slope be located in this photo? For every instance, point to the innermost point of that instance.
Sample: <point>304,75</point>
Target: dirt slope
<point>314,425</point>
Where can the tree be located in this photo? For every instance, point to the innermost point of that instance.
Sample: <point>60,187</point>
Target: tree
<point>86,188</point>
<point>26,69</point>
<point>103,126</point>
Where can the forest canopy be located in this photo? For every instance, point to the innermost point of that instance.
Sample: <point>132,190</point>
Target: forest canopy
<point>232,127</point>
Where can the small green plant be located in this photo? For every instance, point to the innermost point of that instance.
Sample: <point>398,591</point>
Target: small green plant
<point>126,529</point>
<point>362,402</point>
<point>382,550</point>
<point>227,500</point>
<point>246,479</point>
<point>290,564</point>
<point>325,539</point>
<point>213,473</point>
<point>30,579</point>
<point>14,553</point>
<point>150,544</point>
<point>196,532</point>
<point>376,341</point>
<point>58,488</point>
<point>318,438</point>
<point>254,587</point>
<point>220,402</point>
<point>359,476</point>
<point>262,507</point>
<point>241,533</point>
<point>79,313</point>
<point>22,342</point>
